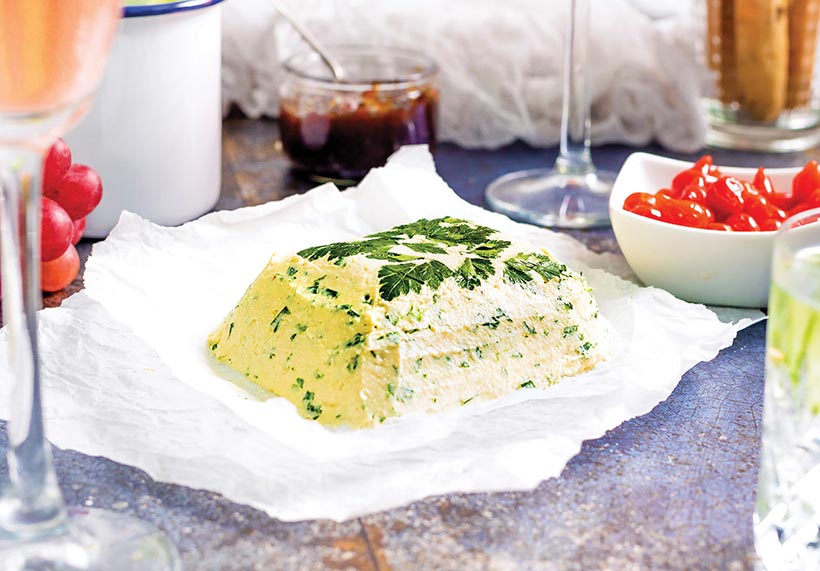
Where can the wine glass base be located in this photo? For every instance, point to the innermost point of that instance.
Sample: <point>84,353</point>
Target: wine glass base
<point>546,197</point>
<point>94,540</point>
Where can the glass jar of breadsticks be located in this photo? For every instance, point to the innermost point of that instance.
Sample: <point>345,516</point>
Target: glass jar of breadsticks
<point>762,55</point>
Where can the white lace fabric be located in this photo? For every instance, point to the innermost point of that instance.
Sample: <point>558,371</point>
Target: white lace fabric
<point>500,64</point>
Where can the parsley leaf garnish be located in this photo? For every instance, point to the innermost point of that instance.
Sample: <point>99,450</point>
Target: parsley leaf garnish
<point>405,273</point>
<point>520,268</point>
<point>400,279</point>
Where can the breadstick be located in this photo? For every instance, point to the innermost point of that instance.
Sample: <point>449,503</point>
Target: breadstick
<point>803,18</point>
<point>762,56</point>
<point>721,46</point>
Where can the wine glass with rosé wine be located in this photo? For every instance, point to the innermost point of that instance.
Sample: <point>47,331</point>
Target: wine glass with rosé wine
<point>52,56</point>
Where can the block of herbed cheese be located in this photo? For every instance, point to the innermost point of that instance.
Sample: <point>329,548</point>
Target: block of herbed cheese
<point>422,317</point>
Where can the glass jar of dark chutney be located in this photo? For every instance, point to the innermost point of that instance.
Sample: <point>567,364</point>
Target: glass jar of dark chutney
<point>341,129</point>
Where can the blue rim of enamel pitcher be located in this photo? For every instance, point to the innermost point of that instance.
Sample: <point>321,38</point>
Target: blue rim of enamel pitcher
<point>167,8</point>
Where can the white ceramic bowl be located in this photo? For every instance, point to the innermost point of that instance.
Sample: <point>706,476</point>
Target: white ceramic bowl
<point>154,132</point>
<point>702,266</point>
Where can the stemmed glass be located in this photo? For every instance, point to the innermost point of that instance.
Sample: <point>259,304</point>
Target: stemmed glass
<point>572,194</point>
<point>52,55</point>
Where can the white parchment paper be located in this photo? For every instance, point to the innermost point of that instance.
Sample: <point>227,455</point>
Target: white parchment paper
<point>127,375</point>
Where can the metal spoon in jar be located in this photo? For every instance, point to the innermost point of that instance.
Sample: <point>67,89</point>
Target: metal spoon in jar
<point>307,35</point>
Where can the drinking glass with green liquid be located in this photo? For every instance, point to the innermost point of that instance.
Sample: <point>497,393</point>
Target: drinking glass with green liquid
<point>787,518</point>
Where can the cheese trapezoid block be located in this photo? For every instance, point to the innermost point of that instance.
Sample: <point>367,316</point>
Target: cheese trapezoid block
<point>422,317</point>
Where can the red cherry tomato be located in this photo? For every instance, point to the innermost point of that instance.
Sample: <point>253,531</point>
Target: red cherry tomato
<point>687,213</point>
<point>784,200</point>
<point>666,193</point>
<point>762,182</point>
<point>652,212</point>
<point>79,191</point>
<point>742,222</point>
<point>57,229</point>
<point>770,224</point>
<point>694,193</point>
<point>704,164</point>
<point>685,178</point>
<point>749,192</point>
<point>58,273</point>
<point>813,200</point>
<point>806,181</point>
<point>637,198</point>
<point>719,226</point>
<point>801,207</point>
<point>725,196</point>
<point>56,163</point>
<point>760,209</point>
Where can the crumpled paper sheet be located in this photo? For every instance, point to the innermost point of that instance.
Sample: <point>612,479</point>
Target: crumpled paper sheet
<point>127,375</point>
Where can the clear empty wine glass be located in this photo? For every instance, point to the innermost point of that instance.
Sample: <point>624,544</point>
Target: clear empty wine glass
<point>52,55</point>
<point>572,194</point>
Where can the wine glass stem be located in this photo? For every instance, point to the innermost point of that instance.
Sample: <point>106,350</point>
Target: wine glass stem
<point>33,504</point>
<point>574,156</point>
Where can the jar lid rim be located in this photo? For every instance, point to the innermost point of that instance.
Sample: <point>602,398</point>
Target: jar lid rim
<point>140,10</point>
<point>424,68</point>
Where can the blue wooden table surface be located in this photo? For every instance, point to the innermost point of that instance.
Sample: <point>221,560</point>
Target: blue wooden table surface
<point>673,489</point>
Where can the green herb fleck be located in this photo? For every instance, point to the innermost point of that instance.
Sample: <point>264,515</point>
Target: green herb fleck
<point>313,409</point>
<point>299,384</point>
<point>230,330</point>
<point>496,319</point>
<point>315,287</point>
<point>569,330</point>
<point>292,271</point>
<point>277,321</point>
<point>584,349</point>
<point>353,364</point>
<point>358,339</point>
<point>527,385</point>
<point>405,394</point>
<point>530,330</point>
